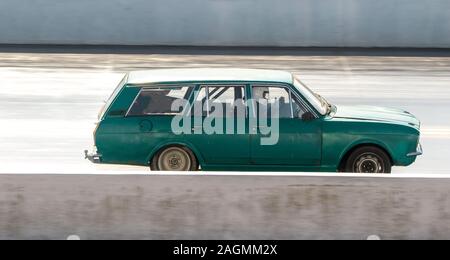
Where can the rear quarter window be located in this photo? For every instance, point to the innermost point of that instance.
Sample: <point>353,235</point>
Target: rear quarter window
<point>158,101</point>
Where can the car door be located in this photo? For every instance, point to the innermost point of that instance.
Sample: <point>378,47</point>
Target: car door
<point>219,124</point>
<point>283,138</point>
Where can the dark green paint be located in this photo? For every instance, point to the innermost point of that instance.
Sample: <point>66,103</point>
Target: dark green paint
<point>316,145</point>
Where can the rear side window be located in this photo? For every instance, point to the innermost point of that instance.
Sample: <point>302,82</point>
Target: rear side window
<point>158,101</point>
<point>230,98</point>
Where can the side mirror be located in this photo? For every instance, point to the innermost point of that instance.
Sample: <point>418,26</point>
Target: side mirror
<point>307,116</point>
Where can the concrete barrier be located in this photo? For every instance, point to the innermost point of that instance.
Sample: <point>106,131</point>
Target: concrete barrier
<point>298,23</point>
<point>222,207</point>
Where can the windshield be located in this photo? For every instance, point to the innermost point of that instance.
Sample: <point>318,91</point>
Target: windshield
<point>318,102</point>
<point>112,97</point>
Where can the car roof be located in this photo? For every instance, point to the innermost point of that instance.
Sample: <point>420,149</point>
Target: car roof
<point>207,75</point>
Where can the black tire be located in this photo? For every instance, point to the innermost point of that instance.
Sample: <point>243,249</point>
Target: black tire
<point>174,158</point>
<point>368,159</point>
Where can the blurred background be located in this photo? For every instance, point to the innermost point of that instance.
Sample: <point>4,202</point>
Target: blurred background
<point>294,23</point>
<point>59,59</point>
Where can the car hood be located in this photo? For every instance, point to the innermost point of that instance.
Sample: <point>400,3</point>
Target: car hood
<point>373,113</point>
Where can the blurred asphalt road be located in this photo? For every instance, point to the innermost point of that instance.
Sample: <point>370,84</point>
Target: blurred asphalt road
<point>50,96</point>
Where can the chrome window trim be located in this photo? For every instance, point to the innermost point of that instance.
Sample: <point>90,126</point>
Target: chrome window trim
<point>134,101</point>
<point>291,102</point>
<point>207,99</point>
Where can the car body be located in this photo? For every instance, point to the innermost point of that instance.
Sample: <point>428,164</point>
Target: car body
<point>135,125</point>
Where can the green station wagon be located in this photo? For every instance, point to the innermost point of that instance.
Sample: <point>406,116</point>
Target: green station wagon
<point>246,120</point>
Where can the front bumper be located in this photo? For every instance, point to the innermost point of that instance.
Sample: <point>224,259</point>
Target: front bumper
<point>419,151</point>
<point>93,157</point>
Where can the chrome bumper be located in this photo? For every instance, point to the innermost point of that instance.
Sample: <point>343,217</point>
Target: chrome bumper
<point>93,157</point>
<point>419,151</point>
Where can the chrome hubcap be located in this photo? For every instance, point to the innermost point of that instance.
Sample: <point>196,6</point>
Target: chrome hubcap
<point>369,163</point>
<point>174,159</point>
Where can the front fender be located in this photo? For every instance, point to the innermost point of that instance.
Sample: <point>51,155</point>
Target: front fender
<point>337,145</point>
<point>363,142</point>
<point>341,135</point>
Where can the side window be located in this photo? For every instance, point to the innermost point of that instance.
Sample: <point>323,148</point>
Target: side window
<point>229,99</point>
<point>158,101</point>
<point>266,97</point>
<point>297,108</point>
<point>199,103</point>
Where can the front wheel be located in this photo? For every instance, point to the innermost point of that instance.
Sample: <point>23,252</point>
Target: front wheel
<point>368,159</point>
<point>174,158</point>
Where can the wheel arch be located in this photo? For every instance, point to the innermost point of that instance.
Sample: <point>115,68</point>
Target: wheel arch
<point>164,145</point>
<point>346,154</point>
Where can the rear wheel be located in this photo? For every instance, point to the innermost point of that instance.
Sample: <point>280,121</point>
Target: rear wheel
<point>174,158</point>
<point>368,159</point>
